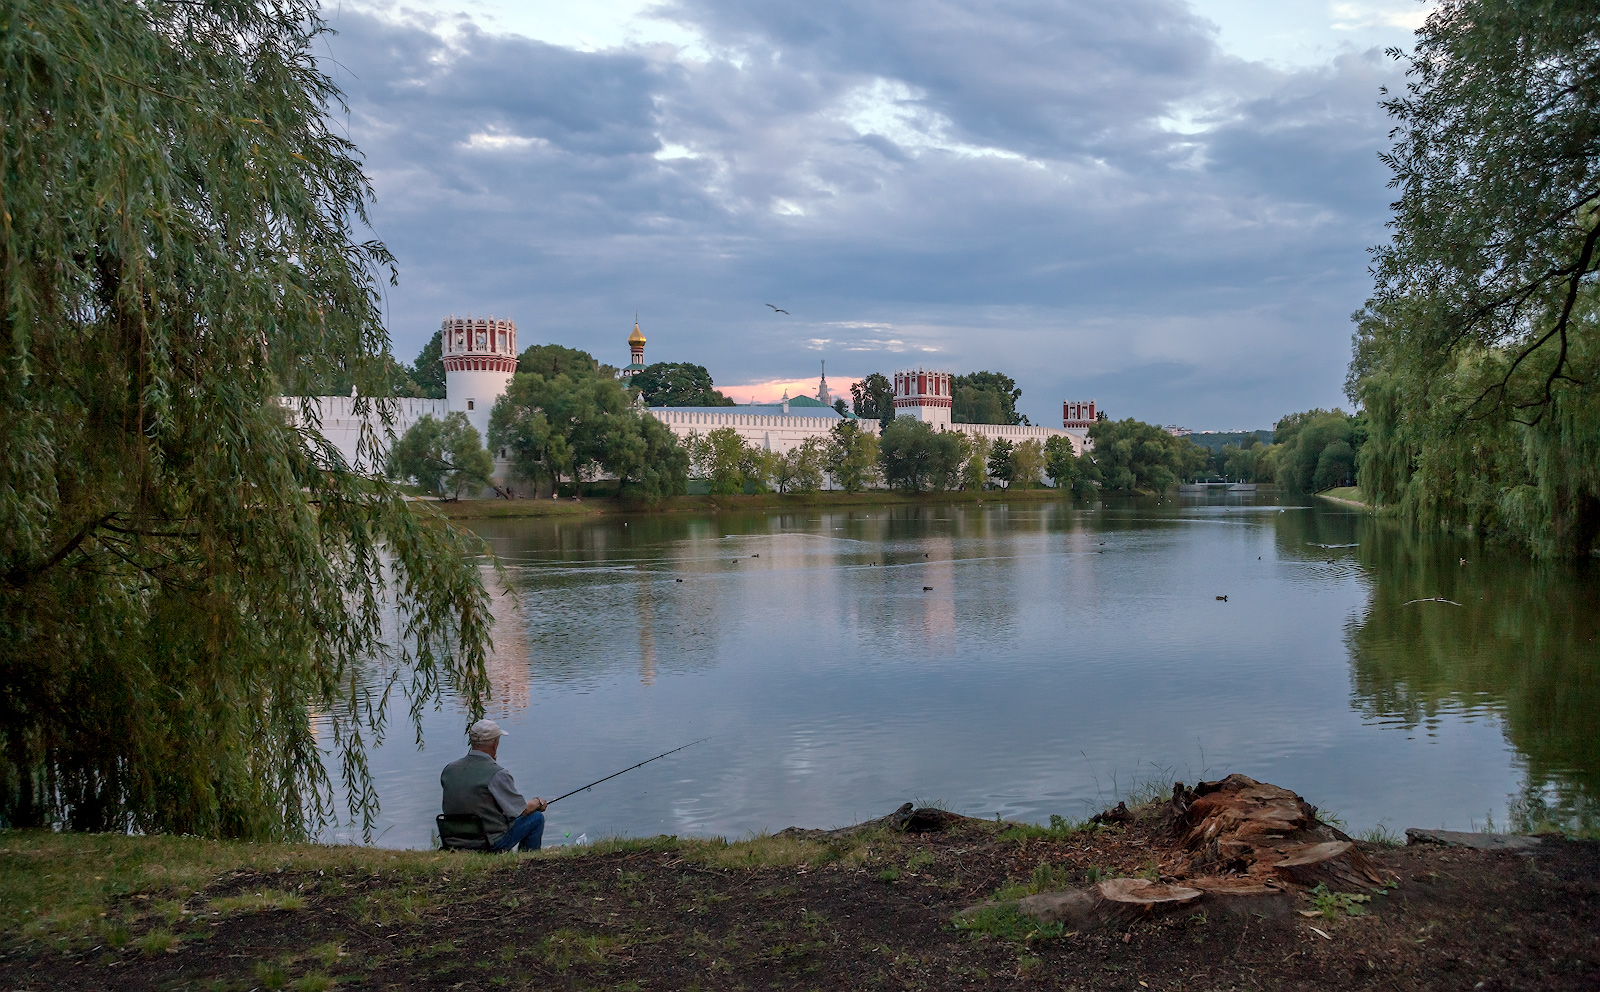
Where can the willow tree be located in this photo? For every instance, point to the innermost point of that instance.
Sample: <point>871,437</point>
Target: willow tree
<point>198,598</point>
<point>1476,358</point>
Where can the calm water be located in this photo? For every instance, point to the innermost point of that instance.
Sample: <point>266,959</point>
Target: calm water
<point>1063,653</point>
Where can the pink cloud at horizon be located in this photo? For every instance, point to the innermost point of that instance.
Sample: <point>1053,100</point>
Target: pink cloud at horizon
<point>772,390</point>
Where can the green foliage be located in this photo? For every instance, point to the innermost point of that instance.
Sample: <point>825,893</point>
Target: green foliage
<point>722,458</point>
<point>1315,450</point>
<point>1028,464</point>
<point>1132,455</point>
<point>551,360</point>
<point>581,422</point>
<point>1333,905</point>
<point>678,384</point>
<point>1476,355</point>
<point>985,398</point>
<point>442,456</point>
<point>873,397</point>
<point>187,575</point>
<point>915,457</point>
<point>426,374</point>
<point>798,470</point>
<point>1066,468</point>
<point>975,470</point>
<point>999,464</point>
<point>851,456</point>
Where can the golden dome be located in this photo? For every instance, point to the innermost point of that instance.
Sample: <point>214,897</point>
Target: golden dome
<point>637,337</point>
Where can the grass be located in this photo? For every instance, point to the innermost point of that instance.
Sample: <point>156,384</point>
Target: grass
<point>1381,835</point>
<point>1060,828</point>
<point>60,885</point>
<point>1003,922</point>
<point>258,902</point>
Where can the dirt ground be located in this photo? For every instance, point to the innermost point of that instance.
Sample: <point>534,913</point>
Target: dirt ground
<point>875,912</point>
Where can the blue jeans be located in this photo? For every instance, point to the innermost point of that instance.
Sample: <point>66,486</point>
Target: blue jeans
<point>526,834</point>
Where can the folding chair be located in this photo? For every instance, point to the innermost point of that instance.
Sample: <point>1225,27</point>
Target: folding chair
<point>462,832</point>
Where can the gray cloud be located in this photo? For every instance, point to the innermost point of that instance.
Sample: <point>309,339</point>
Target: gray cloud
<point>1090,197</point>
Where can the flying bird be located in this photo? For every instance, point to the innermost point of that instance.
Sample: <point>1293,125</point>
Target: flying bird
<point>778,309</point>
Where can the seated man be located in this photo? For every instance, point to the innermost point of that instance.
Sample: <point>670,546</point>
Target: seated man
<point>477,784</point>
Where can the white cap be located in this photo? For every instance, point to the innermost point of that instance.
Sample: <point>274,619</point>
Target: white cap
<point>485,731</point>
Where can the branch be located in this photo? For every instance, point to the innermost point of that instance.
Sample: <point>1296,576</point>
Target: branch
<point>19,577</point>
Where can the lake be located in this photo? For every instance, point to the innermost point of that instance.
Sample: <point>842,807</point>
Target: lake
<point>1020,659</point>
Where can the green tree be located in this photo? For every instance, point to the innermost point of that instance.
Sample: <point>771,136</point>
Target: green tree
<point>1476,356</point>
<point>985,398</point>
<point>975,470</point>
<point>1000,467</point>
<point>851,455</point>
<point>1061,462</point>
<point>915,457</point>
<point>426,374</point>
<point>873,397</point>
<point>722,458</point>
<point>1317,449</point>
<point>798,470</point>
<point>551,360</point>
<point>580,424</point>
<point>1132,455</point>
<point>442,455</point>
<point>1027,463</point>
<point>191,579</point>
<point>678,384</point>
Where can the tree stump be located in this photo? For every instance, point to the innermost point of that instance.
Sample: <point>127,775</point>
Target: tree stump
<point>1109,903</point>
<point>1336,864</point>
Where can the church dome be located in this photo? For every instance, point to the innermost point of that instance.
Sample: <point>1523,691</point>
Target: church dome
<point>637,337</point>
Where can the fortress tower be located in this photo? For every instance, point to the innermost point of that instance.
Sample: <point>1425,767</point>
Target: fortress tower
<point>924,395</point>
<point>479,356</point>
<point>1078,415</point>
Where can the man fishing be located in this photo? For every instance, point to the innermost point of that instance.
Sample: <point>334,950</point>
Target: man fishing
<point>478,784</point>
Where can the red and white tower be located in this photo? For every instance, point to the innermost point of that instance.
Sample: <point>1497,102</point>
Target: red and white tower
<point>924,395</point>
<point>480,356</point>
<point>1076,415</point>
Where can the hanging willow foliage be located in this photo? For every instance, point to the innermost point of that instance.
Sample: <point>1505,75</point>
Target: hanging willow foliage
<point>1477,356</point>
<point>191,585</point>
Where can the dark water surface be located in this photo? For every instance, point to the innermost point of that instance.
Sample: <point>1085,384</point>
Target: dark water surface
<point>1064,653</point>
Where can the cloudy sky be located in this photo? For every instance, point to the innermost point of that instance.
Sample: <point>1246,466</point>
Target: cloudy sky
<point>1159,204</point>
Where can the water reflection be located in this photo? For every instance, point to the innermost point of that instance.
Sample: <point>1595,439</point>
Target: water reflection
<point>1022,659</point>
<point>1513,639</point>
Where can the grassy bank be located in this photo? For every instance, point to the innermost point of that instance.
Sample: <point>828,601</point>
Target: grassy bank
<point>493,509</point>
<point>872,910</point>
<point>1345,496</point>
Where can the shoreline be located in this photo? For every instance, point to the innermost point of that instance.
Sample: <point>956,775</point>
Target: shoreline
<point>501,509</point>
<point>884,904</point>
<point>1354,504</point>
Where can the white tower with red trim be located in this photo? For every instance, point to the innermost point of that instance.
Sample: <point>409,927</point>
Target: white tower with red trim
<point>480,356</point>
<point>924,395</point>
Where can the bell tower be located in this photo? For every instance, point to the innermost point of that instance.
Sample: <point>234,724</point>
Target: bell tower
<point>635,351</point>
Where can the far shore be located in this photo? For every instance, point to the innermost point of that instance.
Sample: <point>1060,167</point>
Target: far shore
<point>590,506</point>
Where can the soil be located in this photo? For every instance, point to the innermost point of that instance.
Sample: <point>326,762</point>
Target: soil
<point>661,916</point>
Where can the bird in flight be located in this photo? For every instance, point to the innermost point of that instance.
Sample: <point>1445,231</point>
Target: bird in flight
<point>777,309</point>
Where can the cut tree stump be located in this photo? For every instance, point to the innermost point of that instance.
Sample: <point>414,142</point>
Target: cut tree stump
<point>1335,863</point>
<point>1109,903</point>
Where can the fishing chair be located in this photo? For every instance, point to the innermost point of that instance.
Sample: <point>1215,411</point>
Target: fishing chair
<point>462,832</point>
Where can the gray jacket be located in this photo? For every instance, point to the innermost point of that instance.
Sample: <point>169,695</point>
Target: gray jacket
<point>476,783</point>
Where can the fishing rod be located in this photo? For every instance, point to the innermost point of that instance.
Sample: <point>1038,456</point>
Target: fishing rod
<point>624,771</point>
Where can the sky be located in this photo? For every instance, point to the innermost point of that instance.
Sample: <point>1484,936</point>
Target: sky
<point>1164,206</point>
